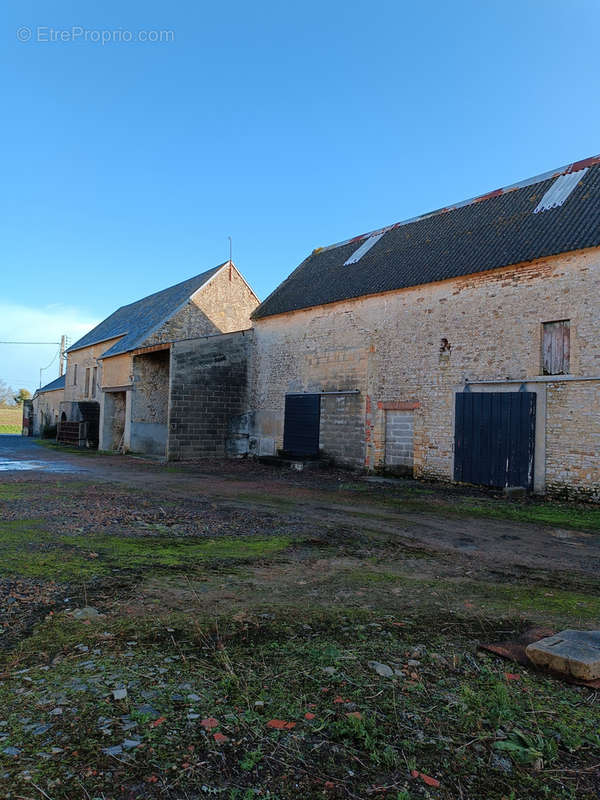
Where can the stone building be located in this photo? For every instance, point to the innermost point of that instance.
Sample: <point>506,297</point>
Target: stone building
<point>46,405</point>
<point>121,370</point>
<point>459,345</point>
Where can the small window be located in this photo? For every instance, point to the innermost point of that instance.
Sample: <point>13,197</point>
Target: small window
<point>94,381</point>
<point>75,375</point>
<point>87,383</point>
<point>556,347</point>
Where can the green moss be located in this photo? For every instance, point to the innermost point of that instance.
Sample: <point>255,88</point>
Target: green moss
<point>535,600</point>
<point>170,552</point>
<point>362,577</point>
<point>50,444</point>
<point>283,503</point>
<point>563,515</point>
<point>12,491</point>
<point>27,549</point>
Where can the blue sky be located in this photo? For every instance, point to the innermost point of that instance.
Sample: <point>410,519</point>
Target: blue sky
<point>127,165</point>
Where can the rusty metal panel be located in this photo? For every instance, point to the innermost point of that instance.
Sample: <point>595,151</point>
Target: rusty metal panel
<point>560,190</point>
<point>556,347</point>
<point>364,248</point>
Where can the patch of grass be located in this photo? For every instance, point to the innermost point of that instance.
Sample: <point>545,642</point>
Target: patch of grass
<point>283,503</point>
<point>448,715</point>
<point>148,551</point>
<point>559,515</point>
<point>549,603</point>
<point>12,491</point>
<point>27,549</point>
<point>10,429</point>
<point>548,513</point>
<point>50,444</point>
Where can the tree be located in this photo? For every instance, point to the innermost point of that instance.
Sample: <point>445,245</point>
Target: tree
<point>7,394</point>
<point>22,394</point>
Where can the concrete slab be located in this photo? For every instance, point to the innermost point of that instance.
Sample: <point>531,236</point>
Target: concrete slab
<point>570,652</point>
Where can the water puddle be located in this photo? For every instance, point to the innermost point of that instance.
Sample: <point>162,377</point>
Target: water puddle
<point>10,465</point>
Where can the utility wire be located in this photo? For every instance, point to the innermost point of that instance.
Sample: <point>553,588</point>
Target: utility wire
<point>29,342</point>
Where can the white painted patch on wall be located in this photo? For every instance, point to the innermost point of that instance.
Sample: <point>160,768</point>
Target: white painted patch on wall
<point>364,248</point>
<point>560,190</point>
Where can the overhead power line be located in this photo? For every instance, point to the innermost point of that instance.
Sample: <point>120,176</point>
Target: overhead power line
<point>29,342</point>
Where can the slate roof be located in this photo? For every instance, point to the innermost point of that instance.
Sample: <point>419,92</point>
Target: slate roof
<point>496,230</point>
<point>57,383</point>
<point>136,321</point>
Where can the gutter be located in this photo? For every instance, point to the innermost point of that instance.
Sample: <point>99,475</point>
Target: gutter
<point>342,391</point>
<point>538,379</point>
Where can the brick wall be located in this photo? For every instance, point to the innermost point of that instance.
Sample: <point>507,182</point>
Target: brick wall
<point>399,440</point>
<point>419,345</point>
<point>209,380</point>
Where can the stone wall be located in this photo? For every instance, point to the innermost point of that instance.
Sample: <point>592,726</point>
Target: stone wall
<point>573,439</point>
<point>46,408</point>
<point>112,420</point>
<point>418,346</point>
<point>326,350</point>
<point>222,305</point>
<point>150,403</point>
<point>208,387</point>
<point>77,363</point>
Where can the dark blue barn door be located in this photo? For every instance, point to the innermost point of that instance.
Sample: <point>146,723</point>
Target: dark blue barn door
<point>301,424</point>
<point>494,438</point>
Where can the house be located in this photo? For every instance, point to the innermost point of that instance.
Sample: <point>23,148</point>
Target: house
<point>46,406</point>
<point>458,345</point>
<point>118,375</point>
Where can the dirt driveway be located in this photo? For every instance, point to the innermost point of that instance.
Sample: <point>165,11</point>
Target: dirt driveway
<point>238,630</point>
<point>482,527</point>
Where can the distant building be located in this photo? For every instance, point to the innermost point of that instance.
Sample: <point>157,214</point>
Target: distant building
<point>117,391</point>
<point>46,405</point>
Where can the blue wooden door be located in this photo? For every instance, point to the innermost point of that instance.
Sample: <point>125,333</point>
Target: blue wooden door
<point>494,438</point>
<point>301,424</point>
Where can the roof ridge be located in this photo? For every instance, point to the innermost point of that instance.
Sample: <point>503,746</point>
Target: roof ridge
<point>543,176</point>
<point>174,286</point>
<point>123,315</point>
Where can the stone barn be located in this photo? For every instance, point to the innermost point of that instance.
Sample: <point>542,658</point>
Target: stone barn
<point>46,406</point>
<point>459,345</point>
<point>123,365</point>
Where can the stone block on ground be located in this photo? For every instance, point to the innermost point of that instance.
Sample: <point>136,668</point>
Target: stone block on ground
<point>570,652</point>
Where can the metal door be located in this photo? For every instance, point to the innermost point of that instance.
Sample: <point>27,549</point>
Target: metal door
<point>494,438</point>
<point>301,424</point>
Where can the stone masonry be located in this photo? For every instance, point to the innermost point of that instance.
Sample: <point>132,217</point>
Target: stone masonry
<point>418,346</point>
